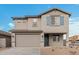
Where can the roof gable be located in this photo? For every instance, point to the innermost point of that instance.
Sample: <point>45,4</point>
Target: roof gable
<point>37,16</point>
<point>56,10</point>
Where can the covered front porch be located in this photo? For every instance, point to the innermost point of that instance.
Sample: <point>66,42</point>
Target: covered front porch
<point>55,39</point>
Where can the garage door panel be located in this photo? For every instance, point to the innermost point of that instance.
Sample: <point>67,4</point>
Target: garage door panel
<point>28,40</point>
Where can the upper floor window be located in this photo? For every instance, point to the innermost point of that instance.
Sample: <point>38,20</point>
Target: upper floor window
<point>22,21</point>
<point>55,20</point>
<point>50,20</point>
<point>34,22</point>
<point>61,20</point>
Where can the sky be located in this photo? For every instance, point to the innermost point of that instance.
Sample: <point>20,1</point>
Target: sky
<point>10,10</point>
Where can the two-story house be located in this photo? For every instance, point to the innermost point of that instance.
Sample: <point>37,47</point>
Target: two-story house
<point>45,30</point>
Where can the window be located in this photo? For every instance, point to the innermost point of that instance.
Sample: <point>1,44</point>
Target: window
<point>21,21</point>
<point>50,20</point>
<point>61,20</point>
<point>55,20</point>
<point>18,21</point>
<point>34,22</point>
<point>56,38</point>
<point>24,21</point>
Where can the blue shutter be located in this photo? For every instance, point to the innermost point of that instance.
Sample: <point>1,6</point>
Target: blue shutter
<point>61,20</point>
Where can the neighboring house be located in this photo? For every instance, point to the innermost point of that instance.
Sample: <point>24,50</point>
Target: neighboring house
<point>44,30</point>
<point>74,40</point>
<point>5,39</point>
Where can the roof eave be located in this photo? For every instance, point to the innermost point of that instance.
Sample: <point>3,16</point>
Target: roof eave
<point>39,16</point>
<point>26,31</point>
<point>56,9</point>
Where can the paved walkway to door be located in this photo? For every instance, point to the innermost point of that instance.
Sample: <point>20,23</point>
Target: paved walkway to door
<point>21,51</point>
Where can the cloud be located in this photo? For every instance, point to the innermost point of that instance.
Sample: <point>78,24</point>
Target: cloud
<point>74,26</point>
<point>11,25</point>
<point>1,28</point>
<point>75,19</point>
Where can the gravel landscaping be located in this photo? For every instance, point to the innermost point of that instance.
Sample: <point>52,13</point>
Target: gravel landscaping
<point>59,51</point>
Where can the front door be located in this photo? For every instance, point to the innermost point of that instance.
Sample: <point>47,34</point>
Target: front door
<point>46,40</point>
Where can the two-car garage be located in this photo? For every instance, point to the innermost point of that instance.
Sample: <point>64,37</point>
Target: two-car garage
<point>28,39</point>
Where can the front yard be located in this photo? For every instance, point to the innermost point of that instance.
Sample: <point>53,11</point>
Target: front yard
<point>39,51</point>
<point>59,51</point>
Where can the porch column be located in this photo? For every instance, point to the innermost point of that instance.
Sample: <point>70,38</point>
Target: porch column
<point>65,38</point>
<point>13,39</point>
<point>61,40</point>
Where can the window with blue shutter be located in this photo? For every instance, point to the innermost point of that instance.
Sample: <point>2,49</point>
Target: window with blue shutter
<point>50,20</point>
<point>61,20</point>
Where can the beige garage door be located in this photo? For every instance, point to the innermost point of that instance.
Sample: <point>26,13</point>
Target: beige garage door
<point>28,40</point>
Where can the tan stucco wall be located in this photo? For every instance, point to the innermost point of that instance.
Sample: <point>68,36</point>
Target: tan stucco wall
<point>21,24</point>
<point>30,24</point>
<point>55,29</point>
<point>42,40</point>
<point>13,40</point>
<point>41,24</point>
<point>27,24</point>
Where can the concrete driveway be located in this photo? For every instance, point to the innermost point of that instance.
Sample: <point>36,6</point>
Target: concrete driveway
<point>21,51</point>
